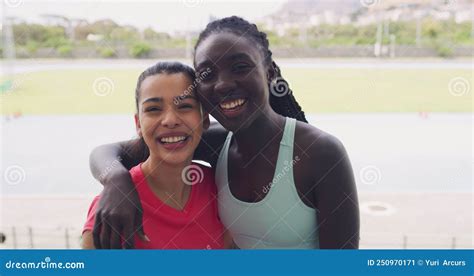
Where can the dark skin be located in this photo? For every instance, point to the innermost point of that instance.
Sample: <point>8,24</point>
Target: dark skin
<point>323,175</point>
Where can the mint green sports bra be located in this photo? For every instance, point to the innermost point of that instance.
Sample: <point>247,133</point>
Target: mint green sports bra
<point>280,220</point>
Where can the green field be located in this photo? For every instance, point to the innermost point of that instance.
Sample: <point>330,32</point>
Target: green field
<point>317,90</point>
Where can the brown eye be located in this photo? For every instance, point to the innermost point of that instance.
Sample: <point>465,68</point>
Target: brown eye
<point>186,106</point>
<point>152,109</point>
<point>205,76</point>
<point>240,67</point>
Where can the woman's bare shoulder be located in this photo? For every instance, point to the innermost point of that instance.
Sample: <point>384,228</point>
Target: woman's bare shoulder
<point>316,143</point>
<point>324,164</point>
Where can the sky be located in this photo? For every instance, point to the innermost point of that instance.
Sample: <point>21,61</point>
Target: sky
<point>168,16</point>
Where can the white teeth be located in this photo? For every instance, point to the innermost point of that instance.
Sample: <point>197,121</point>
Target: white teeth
<point>173,139</point>
<point>232,104</point>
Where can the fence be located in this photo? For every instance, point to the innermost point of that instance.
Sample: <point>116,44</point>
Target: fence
<point>69,238</point>
<point>360,51</point>
<point>41,238</point>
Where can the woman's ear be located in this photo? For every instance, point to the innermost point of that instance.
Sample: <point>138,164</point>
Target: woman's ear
<point>271,72</point>
<point>138,126</point>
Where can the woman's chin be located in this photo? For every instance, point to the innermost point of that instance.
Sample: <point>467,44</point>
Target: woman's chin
<point>177,159</point>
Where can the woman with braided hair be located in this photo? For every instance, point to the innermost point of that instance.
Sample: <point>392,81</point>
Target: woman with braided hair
<point>281,182</point>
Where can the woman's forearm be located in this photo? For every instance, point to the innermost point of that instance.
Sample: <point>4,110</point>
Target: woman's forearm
<point>114,159</point>
<point>119,206</point>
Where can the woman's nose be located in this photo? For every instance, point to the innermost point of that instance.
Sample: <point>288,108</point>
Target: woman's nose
<point>224,85</point>
<point>171,119</point>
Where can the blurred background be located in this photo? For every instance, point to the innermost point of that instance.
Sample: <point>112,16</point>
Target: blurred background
<point>391,79</point>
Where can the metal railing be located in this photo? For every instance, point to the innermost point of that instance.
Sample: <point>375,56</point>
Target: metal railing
<point>69,238</point>
<point>41,238</point>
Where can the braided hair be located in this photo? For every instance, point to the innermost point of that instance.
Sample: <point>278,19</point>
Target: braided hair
<point>281,100</point>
